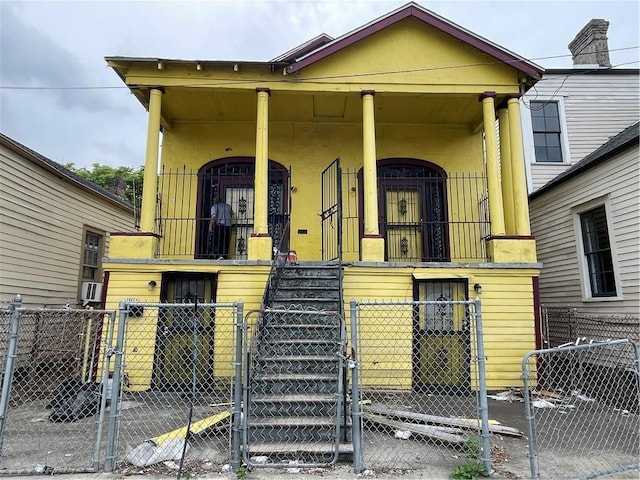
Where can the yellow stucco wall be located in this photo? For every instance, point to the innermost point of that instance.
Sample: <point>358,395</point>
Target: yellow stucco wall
<point>415,58</point>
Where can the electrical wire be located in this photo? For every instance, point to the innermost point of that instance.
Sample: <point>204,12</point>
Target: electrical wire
<point>324,79</point>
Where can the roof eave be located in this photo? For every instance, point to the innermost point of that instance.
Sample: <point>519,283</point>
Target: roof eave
<point>60,170</point>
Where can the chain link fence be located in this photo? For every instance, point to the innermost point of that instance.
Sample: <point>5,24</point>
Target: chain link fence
<point>51,414</point>
<point>421,391</point>
<point>561,325</point>
<point>177,366</point>
<point>584,413</point>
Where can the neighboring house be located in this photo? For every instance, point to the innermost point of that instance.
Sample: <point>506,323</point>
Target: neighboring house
<point>432,204</point>
<point>571,112</point>
<point>54,230</point>
<point>586,223</point>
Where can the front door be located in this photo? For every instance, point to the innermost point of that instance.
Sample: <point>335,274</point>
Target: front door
<point>403,225</point>
<point>184,333</point>
<point>412,208</point>
<point>441,359</point>
<point>232,180</point>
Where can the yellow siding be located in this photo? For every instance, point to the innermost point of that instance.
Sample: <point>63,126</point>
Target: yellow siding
<point>508,321</point>
<point>129,281</point>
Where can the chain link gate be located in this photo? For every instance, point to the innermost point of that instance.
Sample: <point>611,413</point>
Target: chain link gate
<point>176,363</point>
<point>54,393</point>
<point>582,404</point>
<point>417,398</point>
<point>294,411</point>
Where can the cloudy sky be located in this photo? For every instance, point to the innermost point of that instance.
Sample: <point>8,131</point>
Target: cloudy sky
<point>58,97</point>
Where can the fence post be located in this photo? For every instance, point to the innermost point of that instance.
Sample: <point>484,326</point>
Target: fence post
<point>12,351</point>
<point>484,409</point>
<point>114,414</point>
<point>237,388</point>
<point>356,412</point>
<point>528,408</point>
<point>107,352</point>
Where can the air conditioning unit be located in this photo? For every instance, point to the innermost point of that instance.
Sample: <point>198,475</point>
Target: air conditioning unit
<point>91,292</point>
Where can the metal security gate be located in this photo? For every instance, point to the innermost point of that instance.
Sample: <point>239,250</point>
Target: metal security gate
<point>332,211</point>
<point>293,389</point>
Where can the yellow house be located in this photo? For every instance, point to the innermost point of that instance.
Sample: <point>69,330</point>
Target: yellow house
<point>394,150</point>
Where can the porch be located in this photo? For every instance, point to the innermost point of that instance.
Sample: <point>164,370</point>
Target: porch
<point>425,215</point>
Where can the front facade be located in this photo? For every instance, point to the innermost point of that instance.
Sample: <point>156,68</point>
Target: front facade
<point>392,126</point>
<point>54,229</point>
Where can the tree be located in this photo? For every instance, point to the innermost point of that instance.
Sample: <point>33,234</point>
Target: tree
<point>107,176</point>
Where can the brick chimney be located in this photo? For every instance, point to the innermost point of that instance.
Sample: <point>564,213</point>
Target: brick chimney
<point>590,46</point>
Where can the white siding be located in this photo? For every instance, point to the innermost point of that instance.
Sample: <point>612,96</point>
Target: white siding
<point>597,106</point>
<point>42,216</point>
<point>553,228</point>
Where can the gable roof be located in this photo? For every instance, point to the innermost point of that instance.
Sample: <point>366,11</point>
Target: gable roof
<point>62,172</point>
<point>428,17</point>
<point>626,139</point>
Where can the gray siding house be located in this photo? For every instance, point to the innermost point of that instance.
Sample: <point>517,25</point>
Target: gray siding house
<point>571,112</point>
<point>54,230</point>
<point>586,222</point>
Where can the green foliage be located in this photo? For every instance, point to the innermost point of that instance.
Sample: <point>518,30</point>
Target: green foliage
<point>472,447</point>
<point>103,175</point>
<point>469,470</point>
<point>241,473</point>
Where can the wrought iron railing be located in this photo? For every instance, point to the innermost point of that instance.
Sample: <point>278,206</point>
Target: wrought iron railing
<point>185,199</point>
<point>430,219</point>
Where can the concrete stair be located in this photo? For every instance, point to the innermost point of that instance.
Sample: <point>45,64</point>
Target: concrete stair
<point>295,413</point>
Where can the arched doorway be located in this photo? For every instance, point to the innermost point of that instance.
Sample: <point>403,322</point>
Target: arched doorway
<point>412,210</point>
<point>232,180</point>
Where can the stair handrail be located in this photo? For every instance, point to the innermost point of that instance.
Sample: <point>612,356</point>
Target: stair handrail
<point>278,263</point>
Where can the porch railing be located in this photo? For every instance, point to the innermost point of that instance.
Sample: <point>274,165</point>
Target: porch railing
<point>422,219</point>
<point>184,201</point>
<point>420,222</point>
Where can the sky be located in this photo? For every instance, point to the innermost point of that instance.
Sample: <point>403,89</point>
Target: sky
<point>59,98</point>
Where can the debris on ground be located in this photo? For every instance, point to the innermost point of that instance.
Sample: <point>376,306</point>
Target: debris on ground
<point>448,429</point>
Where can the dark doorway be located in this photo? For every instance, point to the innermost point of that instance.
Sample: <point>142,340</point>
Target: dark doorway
<point>183,329</point>
<point>233,180</point>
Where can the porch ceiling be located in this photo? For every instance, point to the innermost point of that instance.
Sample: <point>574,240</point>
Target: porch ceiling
<point>205,105</point>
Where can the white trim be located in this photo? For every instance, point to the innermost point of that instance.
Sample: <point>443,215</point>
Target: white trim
<point>585,282</point>
<point>527,131</point>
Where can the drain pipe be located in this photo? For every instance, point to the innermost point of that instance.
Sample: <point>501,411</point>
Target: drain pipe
<point>356,412</point>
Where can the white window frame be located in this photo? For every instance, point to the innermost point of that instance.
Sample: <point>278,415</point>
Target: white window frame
<point>527,130</point>
<point>585,280</point>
